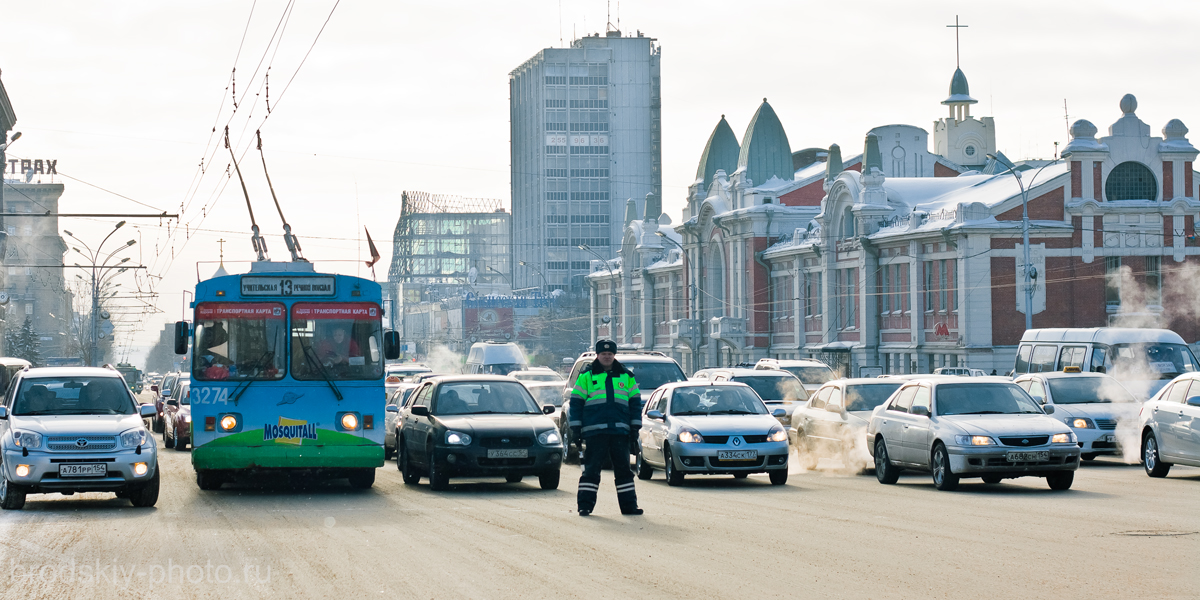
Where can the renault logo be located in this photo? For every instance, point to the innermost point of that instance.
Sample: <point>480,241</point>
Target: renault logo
<point>81,443</point>
<point>737,441</point>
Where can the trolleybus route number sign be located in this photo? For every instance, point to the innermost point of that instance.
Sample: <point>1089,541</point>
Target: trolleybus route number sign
<point>288,286</point>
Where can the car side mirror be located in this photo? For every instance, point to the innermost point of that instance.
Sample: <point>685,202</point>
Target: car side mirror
<point>392,408</point>
<point>548,409</point>
<point>654,414</point>
<point>391,345</point>
<point>154,388</point>
<point>922,411</point>
<point>779,412</point>
<point>172,402</point>
<point>3,412</point>
<point>834,408</point>
<point>1048,408</point>
<point>420,410</point>
<point>181,337</point>
<point>148,410</point>
<point>1193,401</point>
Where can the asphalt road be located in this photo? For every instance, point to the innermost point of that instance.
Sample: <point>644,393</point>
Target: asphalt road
<point>824,534</point>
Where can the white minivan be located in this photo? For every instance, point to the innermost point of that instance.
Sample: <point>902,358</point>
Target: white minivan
<point>495,358</point>
<point>1143,360</point>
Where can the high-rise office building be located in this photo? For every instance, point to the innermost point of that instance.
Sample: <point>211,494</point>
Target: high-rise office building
<point>586,137</point>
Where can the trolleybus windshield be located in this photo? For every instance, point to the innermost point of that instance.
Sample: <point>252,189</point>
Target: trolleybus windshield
<point>337,341</point>
<point>239,341</point>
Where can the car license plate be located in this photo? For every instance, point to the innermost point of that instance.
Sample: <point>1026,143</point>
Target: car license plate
<point>78,470</point>
<point>737,454</point>
<point>508,453</point>
<point>1028,456</point>
<point>1110,438</point>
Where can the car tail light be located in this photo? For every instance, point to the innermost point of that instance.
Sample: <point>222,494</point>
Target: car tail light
<point>210,423</point>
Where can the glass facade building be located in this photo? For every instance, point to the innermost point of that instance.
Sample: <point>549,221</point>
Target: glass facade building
<point>586,136</point>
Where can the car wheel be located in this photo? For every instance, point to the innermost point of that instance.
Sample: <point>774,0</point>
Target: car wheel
<point>178,442</point>
<point>1089,456</point>
<point>409,473</point>
<point>1060,481</point>
<point>209,480</point>
<point>158,425</point>
<point>513,478</point>
<point>885,471</point>
<point>944,479</point>
<point>12,496</point>
<point>362,479</point>
<point>674,477</point>
<point>147,496</point>
<point>168,440</point>
<point>644,471</point>
<point>438,478</point>
<point>778,476</point>
<point>549,480</point>
<point>570,456</point>
<point>992,479</point>
<point>388,452</point>
<point>1153,463</point>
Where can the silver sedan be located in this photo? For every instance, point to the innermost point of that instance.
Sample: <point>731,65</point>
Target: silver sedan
<point>980,427</point>
<point>713,428</point>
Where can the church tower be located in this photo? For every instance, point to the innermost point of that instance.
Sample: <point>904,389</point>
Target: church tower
<point>960,137</point>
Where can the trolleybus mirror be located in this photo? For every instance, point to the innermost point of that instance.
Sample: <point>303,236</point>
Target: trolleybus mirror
<point>391,345</point>
<point>181,337</point>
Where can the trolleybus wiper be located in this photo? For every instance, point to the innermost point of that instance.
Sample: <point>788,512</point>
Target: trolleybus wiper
<point>309,355</point>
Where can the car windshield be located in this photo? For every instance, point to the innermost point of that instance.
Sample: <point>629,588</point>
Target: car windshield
<point>984,399</point>
<point>73,396</point>
<point>774,388</point>
<point>1088,390</point>
<point>716,400</point>
<point>239,340</point>
<point>814,375</point>
<point>481,398</point>
<point>868,396</point>
<point>336,341</point>
<point>548,394</point>
<point>1149,361</point>
<point>653,375</point>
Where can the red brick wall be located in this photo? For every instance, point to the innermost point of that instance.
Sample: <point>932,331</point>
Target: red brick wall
<point>1168,230</point>
<point>1097,177</point>
<point>1009,243</point>
<point>940,170</point>
<point>1168,180</point>
<point>1076,179</point>
<point>759,284</point>
<point>1066,278</point>
<point>1187,179</point>
<point>1098,231</point>
<point>809,195</point>
<point>1047,207</point>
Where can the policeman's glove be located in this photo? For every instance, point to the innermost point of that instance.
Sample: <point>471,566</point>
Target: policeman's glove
<point>633,444</point>
<point>576,434</point>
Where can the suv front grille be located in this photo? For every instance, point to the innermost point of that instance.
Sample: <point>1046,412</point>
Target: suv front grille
<point>81,443</point>
<point>1025,440</point>
<point>506,442</point>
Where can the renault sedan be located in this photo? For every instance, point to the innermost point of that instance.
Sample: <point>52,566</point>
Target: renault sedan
<point>476,426</point>
<point>979,427</point>
<point>716,428</point>
<point>833,420</point>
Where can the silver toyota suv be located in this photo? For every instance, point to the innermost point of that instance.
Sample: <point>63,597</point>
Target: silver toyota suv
<point>75,429</point>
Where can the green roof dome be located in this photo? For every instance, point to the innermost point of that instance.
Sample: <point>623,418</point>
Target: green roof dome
<point>960,93</point>
<point>765,149</point>
<point>721,152</point>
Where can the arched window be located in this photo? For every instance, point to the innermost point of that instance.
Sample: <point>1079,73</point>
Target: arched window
<point>1131,181</point>
<point>848,229</point>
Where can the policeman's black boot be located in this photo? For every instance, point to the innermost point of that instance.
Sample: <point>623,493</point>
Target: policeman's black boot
<point>627,499</point>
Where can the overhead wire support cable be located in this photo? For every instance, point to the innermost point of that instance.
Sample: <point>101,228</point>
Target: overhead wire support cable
<point>289,238</point>
<point>260,245</point>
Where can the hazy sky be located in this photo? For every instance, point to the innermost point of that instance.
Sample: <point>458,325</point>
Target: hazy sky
<point>414,95</point>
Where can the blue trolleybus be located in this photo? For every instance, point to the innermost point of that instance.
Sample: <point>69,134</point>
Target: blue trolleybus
<point>287,374</point>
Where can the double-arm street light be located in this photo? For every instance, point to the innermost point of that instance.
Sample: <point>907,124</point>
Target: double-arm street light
<point>1030,271</point>
<point>97,267</point>
<point>689,296</point>
<point>612,320</point>
<point>545,294</point>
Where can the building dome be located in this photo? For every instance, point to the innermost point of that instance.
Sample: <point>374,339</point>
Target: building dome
<point>720,153</point>
<point>960,92</point>
<point>1128,104</point>
<point>765,150</point>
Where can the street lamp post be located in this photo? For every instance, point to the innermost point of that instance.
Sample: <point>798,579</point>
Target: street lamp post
<point>545,294</point>
<point>1030,271</point>
<point>687,298</point>
<point>612,319</point>
<point>98,265</point>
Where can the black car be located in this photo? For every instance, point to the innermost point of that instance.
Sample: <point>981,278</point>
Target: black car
<point>476,426</point>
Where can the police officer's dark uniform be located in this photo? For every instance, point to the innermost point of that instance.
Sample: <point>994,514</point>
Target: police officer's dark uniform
<point>606,412</point>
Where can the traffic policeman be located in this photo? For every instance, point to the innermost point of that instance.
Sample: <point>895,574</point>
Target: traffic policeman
<point>606,412</point>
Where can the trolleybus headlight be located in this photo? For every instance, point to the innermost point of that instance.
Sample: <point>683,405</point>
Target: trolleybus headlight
<point>349,421</point>
<point>228,423</point>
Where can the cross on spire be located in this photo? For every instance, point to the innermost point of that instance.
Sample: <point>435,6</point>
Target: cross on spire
<point>222,243</point>
<point>956,26</point>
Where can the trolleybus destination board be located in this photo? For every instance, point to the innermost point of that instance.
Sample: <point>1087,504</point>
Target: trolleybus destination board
<point>288,286</point>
